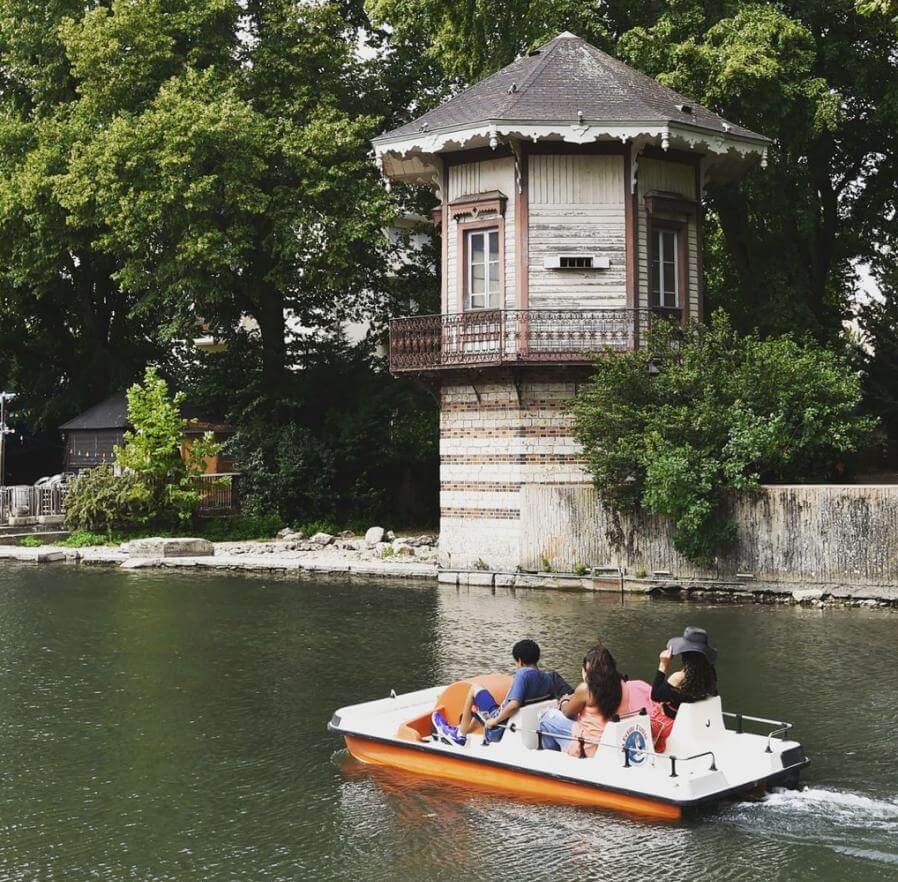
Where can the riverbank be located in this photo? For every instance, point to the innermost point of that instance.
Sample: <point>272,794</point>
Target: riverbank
<point>415,557</point>
<point>410,557</point>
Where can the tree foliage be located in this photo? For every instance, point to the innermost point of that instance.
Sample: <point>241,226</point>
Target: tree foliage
<point>170,160</point>
<point>677,425</point>
<point>878,357</point>
<point>158,467</point>
<point>156,452</point>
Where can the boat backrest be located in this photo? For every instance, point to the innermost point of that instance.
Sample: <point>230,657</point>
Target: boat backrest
<point>633,733</point>
<point>451,701</point>
<point>526,721</point>
<point>452,698</point>
<point>698,726</point>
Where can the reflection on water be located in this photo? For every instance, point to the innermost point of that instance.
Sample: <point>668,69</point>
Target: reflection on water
<point>160,727</point>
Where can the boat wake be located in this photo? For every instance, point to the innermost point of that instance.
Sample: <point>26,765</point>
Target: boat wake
<point>854,824</point>
<point>838,806</point>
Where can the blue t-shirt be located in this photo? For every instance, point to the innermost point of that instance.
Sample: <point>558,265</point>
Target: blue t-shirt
<point>529,683</point>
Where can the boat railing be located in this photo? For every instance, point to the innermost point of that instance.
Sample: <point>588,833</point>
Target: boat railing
<point>627,751</point>
<point>781,728</point>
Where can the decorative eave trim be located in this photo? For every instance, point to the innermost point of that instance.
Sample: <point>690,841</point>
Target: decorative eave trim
<point>476,204</point>
<point>717,146</point>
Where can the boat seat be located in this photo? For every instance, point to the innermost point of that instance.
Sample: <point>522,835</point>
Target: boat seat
<point>633,732</point>
<point>698,726</point>
<point>451,701</point>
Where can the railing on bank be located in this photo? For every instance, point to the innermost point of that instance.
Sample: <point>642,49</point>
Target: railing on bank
<point>32,502</point>
<point>219,497</point>
<point>488,337</point>
<point>219,493</point>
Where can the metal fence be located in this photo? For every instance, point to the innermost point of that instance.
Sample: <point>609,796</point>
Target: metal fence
<point>219,494</point>
<point>32,502</point>
<point>512,336</point>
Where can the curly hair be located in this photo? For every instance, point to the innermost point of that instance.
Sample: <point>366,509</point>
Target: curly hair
<point>603,680</point>
<point>699,677</point>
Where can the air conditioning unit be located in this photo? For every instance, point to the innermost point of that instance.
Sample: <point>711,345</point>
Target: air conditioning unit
<point>576,262</point>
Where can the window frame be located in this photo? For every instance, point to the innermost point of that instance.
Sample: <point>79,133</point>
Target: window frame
<point>463,274</point>
<point>680,229</point>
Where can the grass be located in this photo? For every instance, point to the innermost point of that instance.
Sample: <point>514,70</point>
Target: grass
<point>242,528</point>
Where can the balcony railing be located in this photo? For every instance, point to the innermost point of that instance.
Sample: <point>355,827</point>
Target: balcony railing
<point>491,337</point>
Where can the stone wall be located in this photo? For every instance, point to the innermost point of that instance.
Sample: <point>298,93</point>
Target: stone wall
<point>826,534</point>
<point>496,435</point>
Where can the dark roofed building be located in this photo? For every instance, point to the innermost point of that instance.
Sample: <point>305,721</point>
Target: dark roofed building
<point>91,437</point>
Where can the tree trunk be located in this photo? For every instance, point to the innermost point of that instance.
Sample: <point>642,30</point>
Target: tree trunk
<point>269,313</point>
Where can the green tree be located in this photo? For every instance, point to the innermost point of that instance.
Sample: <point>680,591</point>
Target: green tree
<point>155,452</point>
<point>879,361</point>
<point>67,336</point>
<point>676,426</point>
<point>230,174</point>
<point>154,483</point>
<point>170,159</point>
<point>815,75</point>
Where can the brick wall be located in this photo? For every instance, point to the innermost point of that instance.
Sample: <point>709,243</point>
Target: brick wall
<point>495,436</point>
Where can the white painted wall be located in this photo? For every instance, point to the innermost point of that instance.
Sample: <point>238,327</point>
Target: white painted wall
<point>577,206</point>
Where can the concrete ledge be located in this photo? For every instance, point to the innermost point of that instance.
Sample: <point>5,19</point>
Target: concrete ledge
<point>43,554</point>
<point>158,547</point>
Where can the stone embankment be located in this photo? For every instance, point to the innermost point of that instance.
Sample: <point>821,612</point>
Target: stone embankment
<point>388,556</point>
<point>382,554</point>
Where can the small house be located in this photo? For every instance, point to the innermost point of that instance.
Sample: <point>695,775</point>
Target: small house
<point>91,437</point>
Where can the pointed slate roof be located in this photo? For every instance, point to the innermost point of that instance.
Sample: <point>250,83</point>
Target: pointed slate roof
<point>559,81</point>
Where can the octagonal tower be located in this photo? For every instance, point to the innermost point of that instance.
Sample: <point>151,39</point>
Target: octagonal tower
<point>570,190</point>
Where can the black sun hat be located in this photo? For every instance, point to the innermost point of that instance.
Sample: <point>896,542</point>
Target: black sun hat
<point>693,640</point>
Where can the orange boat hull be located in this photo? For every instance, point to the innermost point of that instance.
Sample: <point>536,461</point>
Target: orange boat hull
<point>534,786</point>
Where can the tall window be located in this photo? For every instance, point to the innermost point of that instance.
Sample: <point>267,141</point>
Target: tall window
<point>483,269</point>
<point>665,268</point>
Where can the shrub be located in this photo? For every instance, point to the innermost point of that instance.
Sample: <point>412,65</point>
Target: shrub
<point>30,542</point>
<point>98,501</point>
<point>86,539</point>
<point>244,528</point>
<point>695,414</point>
<point>156,487</point>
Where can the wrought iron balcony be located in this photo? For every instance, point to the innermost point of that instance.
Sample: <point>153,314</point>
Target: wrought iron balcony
<point>495,337</point>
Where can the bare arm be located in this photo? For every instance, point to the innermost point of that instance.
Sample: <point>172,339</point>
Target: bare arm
<point>571,705</point>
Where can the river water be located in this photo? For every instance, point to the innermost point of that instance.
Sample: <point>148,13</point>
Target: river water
<point>157,726</point>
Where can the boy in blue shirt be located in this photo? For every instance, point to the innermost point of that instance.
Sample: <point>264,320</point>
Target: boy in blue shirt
<point>528,684</point>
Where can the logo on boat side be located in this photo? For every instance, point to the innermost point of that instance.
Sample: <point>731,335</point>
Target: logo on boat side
<point>634,744</point>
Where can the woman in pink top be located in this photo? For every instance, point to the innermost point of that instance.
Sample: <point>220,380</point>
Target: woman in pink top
<point>608,694</point>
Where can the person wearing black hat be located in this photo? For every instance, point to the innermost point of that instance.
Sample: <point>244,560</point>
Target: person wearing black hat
<point>696,680</point>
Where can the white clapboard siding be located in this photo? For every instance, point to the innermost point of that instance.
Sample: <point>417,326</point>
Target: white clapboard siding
<point>481,177</point>
<point>577,207</point>
<point>671,177</point>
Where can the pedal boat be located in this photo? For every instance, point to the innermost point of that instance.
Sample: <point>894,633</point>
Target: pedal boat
<point>704,761</point>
